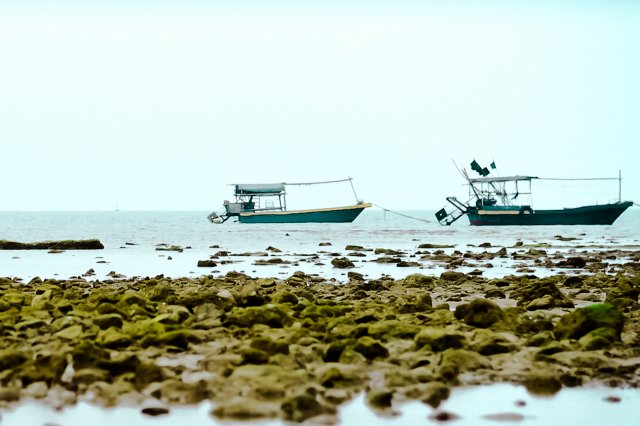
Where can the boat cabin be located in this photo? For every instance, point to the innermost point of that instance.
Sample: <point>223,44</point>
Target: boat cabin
<point>257,197</point>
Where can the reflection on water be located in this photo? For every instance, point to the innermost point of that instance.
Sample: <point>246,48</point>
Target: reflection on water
<point>482,405</point>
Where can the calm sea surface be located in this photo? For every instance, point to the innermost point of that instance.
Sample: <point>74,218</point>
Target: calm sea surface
<point>131,239</point>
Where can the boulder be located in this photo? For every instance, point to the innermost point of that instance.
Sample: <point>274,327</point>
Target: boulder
<point>538,289</point>
<point>342,263</point>
<point>370,348</point>
<point>543,382</point>
<point>479,313</point>
<point>419,280</point>
<point>301,407</point>
<point>578,323</point>
<point>440,339</point>
<point>452,276</point>
<point>272,315</point>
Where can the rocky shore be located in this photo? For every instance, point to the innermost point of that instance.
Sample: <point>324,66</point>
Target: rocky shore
<point>298,347</point>
<point>91,244</point>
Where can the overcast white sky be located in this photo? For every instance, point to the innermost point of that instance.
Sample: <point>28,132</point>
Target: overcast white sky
<point>158,106</point>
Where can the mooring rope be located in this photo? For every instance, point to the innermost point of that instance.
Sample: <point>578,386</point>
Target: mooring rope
<point>401,214</point>
<point>636,204</point>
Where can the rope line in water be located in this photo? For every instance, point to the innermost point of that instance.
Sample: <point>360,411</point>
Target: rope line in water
<point>636,204</point>
<point>401,214</point>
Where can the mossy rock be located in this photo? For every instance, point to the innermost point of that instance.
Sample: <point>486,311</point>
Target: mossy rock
<point>130,298</point>
<point>419,281</point>
<point>32,323</point>
<point>270,346</point>
<point>380,399</point>
<point>63,306</point>
<point>106,308</point>
<point>108,320</point>
<point>334,350</point>
<point>88,354</point>
<point>44,368</point>
<point>13,298</point>
<point>540,339</point>
<point>387,329</point>
<point>576,324</point>
<point>528,323</point>
<point>72,332</point>
<point>370,348</point>
<point>479,313</point>
<point>542,382</point>
<point>42,300</point>
<point>624,287</point>
<point>146,373</point>
<point>316,312</point>
<point>283,296</point>
<point>244,409</point>
<point>338,376</point>
<point>439,339</point>
<point>342,263</point>
<point>299,408</point>
<point>113,338</point>
<point>160,293</point>
<point>452,276</point>
<point>274,316</point>
<point>174,338</point>
<point>486,342</point>
<point>12,358</point>
<point>527,293</point>
<point>88,375</point>
<point>431,393</point>
<point>120,364</point>
<point>136,312</point>
<point>250,295</point>
<point>600,338</point>
<point>462,360</point>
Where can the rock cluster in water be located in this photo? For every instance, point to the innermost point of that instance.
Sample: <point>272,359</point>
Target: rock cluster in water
<point>92,244</point>
<point>298,348</point>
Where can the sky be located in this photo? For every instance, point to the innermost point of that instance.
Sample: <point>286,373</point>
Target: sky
<point>161,105</point>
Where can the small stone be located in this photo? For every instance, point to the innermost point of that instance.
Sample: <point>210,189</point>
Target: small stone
<point>155,411</point>
<point>443,416</point>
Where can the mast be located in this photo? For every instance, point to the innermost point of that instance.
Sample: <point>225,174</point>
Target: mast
<point>619,186</point>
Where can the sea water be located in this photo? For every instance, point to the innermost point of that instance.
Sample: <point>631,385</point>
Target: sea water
<point>131,240</point>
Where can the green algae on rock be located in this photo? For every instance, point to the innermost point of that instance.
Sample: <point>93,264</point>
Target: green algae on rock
<point>296,348</point>
<point>576,324</point>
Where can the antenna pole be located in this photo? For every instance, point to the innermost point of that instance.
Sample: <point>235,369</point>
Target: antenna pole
<point>353,189</point>
<point>619,186</point>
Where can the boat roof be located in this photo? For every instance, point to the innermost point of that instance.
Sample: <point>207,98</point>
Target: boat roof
<point>501,179</point>
<point>259,188</point>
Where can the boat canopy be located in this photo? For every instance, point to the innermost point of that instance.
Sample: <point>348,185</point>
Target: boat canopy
<point>501,179</point>
<point>259,189</point>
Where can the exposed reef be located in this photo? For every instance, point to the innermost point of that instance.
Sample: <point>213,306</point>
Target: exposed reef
<point>297,348</point>
<point>92,244</point>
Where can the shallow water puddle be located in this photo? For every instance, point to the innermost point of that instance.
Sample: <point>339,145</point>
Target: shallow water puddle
<point>480,405</point>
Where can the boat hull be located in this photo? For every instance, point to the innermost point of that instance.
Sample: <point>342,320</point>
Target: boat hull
<point>331,215</point>
<point>604,214</point>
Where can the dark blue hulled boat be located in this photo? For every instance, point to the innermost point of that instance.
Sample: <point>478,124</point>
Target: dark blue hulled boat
<point>267,203</point>
<point>496,201</point>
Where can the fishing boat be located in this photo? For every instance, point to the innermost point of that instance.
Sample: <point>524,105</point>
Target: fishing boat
<point>267,203</point>
<point>497,201</point>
